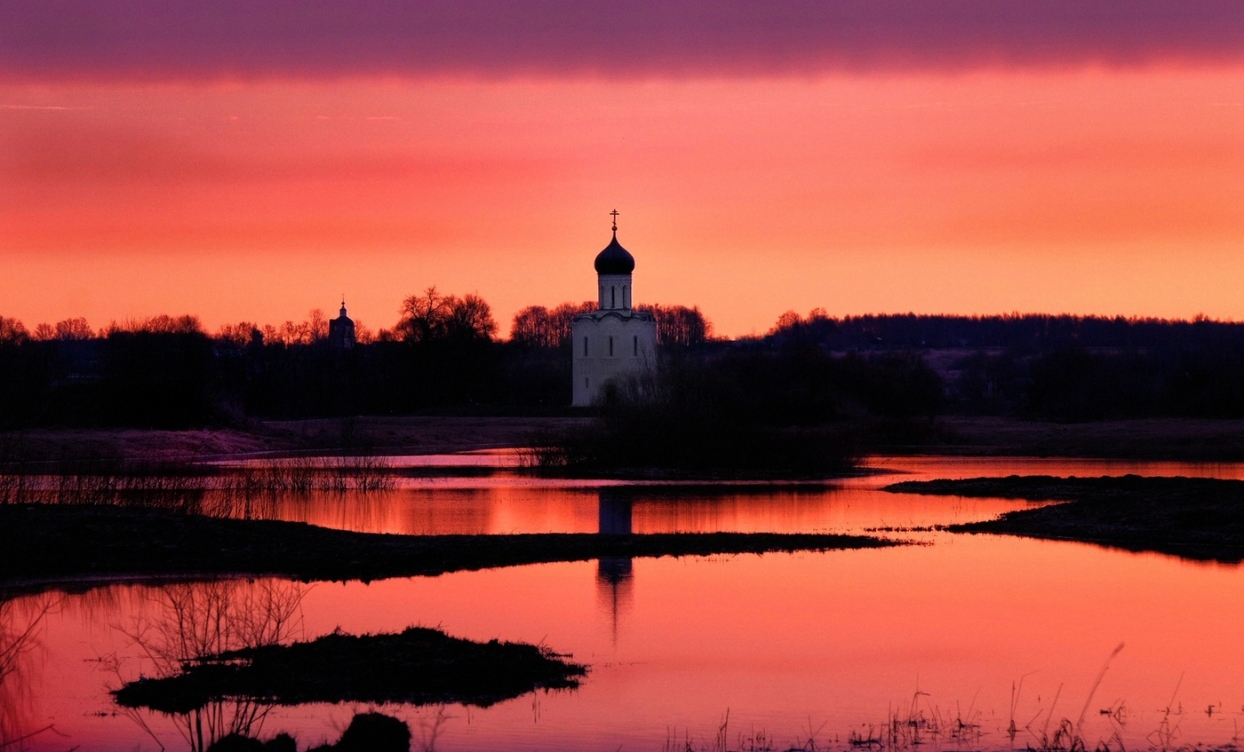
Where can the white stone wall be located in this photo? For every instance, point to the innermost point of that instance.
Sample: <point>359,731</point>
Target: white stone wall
<point>614,292</point>
<point>609,344</point>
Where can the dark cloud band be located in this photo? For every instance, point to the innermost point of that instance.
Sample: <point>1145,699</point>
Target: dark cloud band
<point>197,39</point>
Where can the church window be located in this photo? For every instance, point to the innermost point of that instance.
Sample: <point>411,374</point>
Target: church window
<point>613,297</point>
<point>626,296</point>
<point>636,343</point>
<point>587,383</point>
<point>585,347</point>
<point>611,347</point>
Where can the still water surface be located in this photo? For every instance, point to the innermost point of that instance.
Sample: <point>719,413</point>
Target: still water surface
<point>784,646</point>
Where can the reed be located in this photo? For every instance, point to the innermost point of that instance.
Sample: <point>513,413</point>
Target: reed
<point>187,485</point>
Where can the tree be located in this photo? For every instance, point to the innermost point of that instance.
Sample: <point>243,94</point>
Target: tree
<point>537,326</point>
<point>73,329</point>
<point>161,324</point>
<point>12,332</point>
<point>432,317</point>
<point>679,325</point>
<point>317,325</point>
<point>240,334</point>
<point>423,317</point>
<point>470,318</point>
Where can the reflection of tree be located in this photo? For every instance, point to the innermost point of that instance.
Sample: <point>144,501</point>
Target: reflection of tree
<point>19,624</point>
<point>190,620</point>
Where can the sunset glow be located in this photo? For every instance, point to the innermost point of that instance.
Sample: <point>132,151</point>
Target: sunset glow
<point>1092,180</point>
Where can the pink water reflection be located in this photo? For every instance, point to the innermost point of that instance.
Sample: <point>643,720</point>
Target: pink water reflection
<point>507,502</point>
<point>835,640</point>
<point>837,637</point>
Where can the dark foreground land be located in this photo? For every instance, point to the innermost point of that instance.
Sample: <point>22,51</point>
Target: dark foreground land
<point>46,545</point>
<point>1194,518</point>
<point>418,666</point>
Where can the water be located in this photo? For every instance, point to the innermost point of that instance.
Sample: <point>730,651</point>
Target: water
<point>784,646</point>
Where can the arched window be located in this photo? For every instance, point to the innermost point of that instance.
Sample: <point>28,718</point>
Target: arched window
<point>611,347</point>
<point>585,347</point>
<point>626,296</point>
<point>636,343</point>
<point>613,296</point>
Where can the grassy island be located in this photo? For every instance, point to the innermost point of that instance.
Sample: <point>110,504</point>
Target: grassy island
<point>419,666</point>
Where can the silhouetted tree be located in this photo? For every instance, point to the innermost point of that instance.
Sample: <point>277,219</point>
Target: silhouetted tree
<point>432,316</point>
<point>537,326</point>
<point>12,331</point>
<point>680,326</point>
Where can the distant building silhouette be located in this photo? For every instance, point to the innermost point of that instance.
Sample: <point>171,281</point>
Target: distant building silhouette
<point>615,340</point>
<point>341,330</point>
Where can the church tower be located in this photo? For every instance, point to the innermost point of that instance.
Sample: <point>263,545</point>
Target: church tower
<point>341,330</point>
<point>615,340</point>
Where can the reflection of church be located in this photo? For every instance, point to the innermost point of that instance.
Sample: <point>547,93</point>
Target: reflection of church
<point>614,576</point>
<point>615,340</point>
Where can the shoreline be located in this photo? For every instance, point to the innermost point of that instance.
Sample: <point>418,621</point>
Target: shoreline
<point>1198,519</point>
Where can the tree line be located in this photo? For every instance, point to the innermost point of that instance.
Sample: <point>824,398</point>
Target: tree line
<point>445,353</point>
<point>1052,367</point>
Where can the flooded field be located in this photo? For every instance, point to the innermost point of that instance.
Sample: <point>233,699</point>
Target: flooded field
<point>975,642</point>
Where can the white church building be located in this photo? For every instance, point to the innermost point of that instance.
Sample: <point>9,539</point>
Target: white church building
<point>615,340</point>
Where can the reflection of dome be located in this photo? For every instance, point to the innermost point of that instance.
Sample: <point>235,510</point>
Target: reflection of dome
<point>614,259</point>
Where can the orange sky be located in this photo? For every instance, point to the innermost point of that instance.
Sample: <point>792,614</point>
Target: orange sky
<point>1079,188</point>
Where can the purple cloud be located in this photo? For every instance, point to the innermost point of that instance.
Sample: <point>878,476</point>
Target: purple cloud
<point>198,39</point>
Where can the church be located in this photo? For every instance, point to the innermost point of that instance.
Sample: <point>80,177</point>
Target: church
<point>341,330</point>
<point>616,340</point>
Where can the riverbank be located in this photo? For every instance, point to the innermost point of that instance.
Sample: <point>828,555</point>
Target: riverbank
<point>408,435</point>
<point>68,546</point>
<point>1193,518</point>
<point>1179,439</point>
<point>1170,439</point>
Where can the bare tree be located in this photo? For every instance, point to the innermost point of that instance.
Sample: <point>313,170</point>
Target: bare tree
<point>470,317</point>
<point>537,326</point>
<point>195,620</point>
<point>20,620</point>
<point>317,325</point>
<point>74,329</point>
<point>12,332</point>
<point>161,324</point>
<point>240,334</point>
<point>423,316</point>
<point>431,316</point>
<point>679,325</point>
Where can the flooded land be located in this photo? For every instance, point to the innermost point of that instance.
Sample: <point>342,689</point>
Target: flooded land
<point>991,640</point>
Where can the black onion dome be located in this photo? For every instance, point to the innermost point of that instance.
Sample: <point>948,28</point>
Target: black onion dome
<point>614,259</point>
